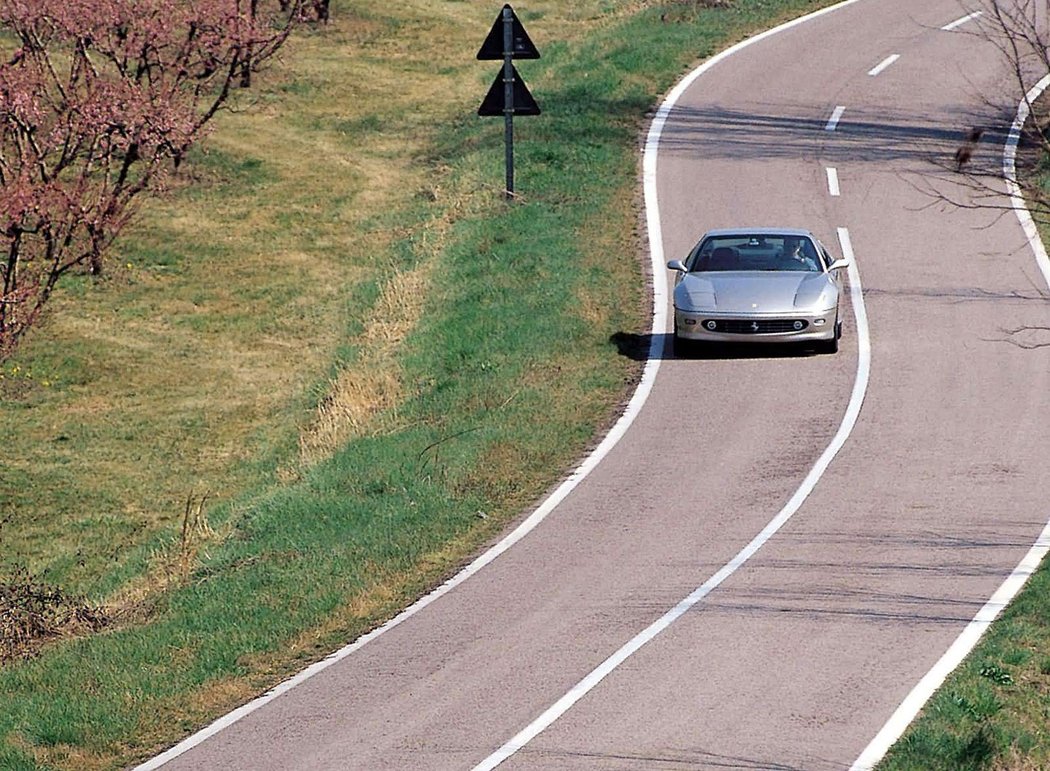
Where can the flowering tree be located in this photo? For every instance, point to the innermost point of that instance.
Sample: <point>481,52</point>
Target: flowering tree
<point>316,9</point>
<point>99,101</point>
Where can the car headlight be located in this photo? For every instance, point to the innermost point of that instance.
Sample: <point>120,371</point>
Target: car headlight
<point>693,297</point>
<point>820,302</point>
<point>695,302</point>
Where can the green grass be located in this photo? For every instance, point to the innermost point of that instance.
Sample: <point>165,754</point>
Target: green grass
<point>342,242</point>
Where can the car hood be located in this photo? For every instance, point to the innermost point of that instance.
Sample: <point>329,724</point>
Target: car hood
<point>755,291</point>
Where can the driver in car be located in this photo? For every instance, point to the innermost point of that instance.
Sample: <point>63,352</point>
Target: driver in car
<point>792,257</point>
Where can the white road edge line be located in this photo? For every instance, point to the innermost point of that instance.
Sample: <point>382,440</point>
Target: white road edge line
<point>833,181</point>
<point>883,64</point>
<point>599,673</point>
<point>963,20</point>
<point>836,115</point>
<point>1010,174</point>
<point>968,639</point>
<point>634,406</point>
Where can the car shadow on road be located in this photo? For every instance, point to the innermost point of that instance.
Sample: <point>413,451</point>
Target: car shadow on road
<point>642,347</point>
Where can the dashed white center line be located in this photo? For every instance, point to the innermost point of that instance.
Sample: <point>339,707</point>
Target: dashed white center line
<point>833,181</point>
<point>960,22</point>
<point>836,115</point>
<point>883,64</point>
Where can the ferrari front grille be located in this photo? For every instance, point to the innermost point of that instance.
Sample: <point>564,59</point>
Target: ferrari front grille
<point>755,326</point>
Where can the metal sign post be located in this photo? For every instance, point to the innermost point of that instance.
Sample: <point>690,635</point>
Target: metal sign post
<point>508,95</point>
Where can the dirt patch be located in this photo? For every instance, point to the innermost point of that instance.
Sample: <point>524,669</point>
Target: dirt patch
<point>32,613</point>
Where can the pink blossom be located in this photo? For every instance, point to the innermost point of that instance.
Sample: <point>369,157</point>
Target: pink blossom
<point>100,101</point>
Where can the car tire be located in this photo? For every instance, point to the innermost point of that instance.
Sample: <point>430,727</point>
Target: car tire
<point>832,345</point>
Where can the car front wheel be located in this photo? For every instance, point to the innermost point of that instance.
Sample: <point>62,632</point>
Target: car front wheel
<point>832,345</point>
<point>829,346</point>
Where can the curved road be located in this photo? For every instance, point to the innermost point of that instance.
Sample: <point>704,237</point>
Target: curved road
<point>798,658</point>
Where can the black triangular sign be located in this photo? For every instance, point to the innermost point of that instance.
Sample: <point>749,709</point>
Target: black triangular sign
<point>521,46</point>
<point>524,104</point>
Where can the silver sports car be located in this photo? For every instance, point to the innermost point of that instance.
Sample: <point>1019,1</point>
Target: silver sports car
<point>758,285</point>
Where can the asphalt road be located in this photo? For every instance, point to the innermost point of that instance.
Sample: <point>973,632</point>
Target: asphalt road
<point>796,659</point>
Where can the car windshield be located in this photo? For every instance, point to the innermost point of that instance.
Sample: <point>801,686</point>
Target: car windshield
<point>755,252</point>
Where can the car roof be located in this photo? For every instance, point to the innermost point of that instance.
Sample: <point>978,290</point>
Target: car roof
<point>801,232</point>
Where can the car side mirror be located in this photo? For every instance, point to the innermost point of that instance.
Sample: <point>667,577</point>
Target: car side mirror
<point>677,265</point>
<point>838,264</point>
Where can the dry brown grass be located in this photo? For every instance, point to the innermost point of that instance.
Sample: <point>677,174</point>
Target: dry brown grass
<point>33,613</point>
<point>363,398</point>
<point>372,387</point>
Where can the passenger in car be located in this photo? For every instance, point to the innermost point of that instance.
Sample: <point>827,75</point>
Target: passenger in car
<point>723,258</point>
